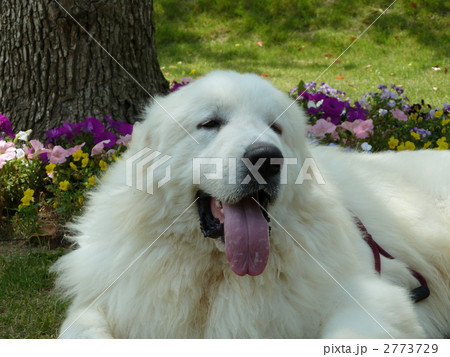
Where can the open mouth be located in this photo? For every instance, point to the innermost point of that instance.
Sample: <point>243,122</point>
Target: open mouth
<point>243,226</point>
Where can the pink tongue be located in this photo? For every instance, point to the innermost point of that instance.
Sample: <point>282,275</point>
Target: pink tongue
<point>246,237</point>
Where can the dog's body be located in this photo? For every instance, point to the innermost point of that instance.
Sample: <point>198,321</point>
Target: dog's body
<point>144,268</point>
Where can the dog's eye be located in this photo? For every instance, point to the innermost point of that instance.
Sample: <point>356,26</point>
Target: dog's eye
<point>276,128</point>
<point>210,124</point>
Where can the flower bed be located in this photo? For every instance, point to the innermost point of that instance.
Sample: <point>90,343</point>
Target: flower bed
<point>379,121</point>
<point>43,185</point>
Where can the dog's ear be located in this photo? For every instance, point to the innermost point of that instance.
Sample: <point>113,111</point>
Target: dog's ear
<point>142,130</point>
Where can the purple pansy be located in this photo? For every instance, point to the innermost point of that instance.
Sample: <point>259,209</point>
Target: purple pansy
<point>357,112</point>
<point>5,126</point>
<point>120,127</point>
<point>176,86</point>
<point>54,134</point>
<point>93,125</point>
<point>68,130</point>
<point>183,81</point>
<point>430,114</point>
<point>406,107</point>
<point>312,111</point>
<point>105,135</point>
<point>315,97</point>
<point>333,108</point>
<point>422,132</point>
<point>310,86</point>
<point>326,89</point>
<point>391,103</point>
<point>386,94</point>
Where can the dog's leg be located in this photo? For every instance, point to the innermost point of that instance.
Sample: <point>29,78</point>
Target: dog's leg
<point>381,310</point>
<point>85,323</point>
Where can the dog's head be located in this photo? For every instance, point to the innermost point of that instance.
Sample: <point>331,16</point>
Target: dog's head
<point>228,135</point>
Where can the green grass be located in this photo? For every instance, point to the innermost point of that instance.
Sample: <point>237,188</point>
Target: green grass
<point>29,307</point>
<point>401,47</point>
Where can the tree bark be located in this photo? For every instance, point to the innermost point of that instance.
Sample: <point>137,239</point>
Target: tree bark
<point>52,71</point>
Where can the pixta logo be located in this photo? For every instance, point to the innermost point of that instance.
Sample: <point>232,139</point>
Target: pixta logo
<point>141,169</point>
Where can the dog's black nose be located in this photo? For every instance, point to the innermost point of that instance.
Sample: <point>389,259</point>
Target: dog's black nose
<point>268,152</point>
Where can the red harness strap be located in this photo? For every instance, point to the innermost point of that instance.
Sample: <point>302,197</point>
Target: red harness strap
<point>417,294</point>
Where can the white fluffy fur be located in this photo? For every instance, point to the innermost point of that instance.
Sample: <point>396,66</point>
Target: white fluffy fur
<point>136,274</point>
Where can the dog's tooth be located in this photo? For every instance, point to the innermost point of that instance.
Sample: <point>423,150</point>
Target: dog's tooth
<point>218,204</point>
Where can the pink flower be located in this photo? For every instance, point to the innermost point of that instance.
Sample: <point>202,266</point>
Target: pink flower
<point>186,80</point>
<point>348,125</point>
<point>363,128</point>
<point>58,155</point>
<point>98,148</point>
<point>7,152</point>
<point>321,128</point>
<point>397,113</point>
<point>37,147</point>
<point>75,148</point>
<point>124,140</point>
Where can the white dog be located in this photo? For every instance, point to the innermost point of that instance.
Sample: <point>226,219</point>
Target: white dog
<point>246,231</point>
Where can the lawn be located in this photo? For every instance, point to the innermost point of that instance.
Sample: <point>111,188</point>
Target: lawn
<point>292,40</point>
<point>285,40</point>
<point>29,307</point>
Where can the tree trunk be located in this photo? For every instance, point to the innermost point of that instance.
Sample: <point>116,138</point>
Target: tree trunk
<point>52,71</point>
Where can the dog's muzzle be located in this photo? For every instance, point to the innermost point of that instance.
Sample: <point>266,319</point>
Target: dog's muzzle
<point>243,222</point>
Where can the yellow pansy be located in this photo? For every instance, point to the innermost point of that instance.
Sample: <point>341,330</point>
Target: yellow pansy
<point>27,198</point>
<point>49,168</point>
<point>427,145</point>
<point>91,180</point>
<point>409,145</point>
<point>393,142</point>
<point>80,200</point>
<point>413,116</point>
<point>84,162</point>
<point>28,192</point>
<point>442,143</point>
<point>445,121</point>
<point>438,113</point>
<point>401,147</point>
<point>64,185</point>
<point>77,155</point>
<point>415,135</point>
<point>73,166</point>
<point>103,165</point>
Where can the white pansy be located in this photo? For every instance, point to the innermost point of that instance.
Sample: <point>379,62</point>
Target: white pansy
<point>366,146</point>
<point>23,135</point>
<point>20,153</point>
